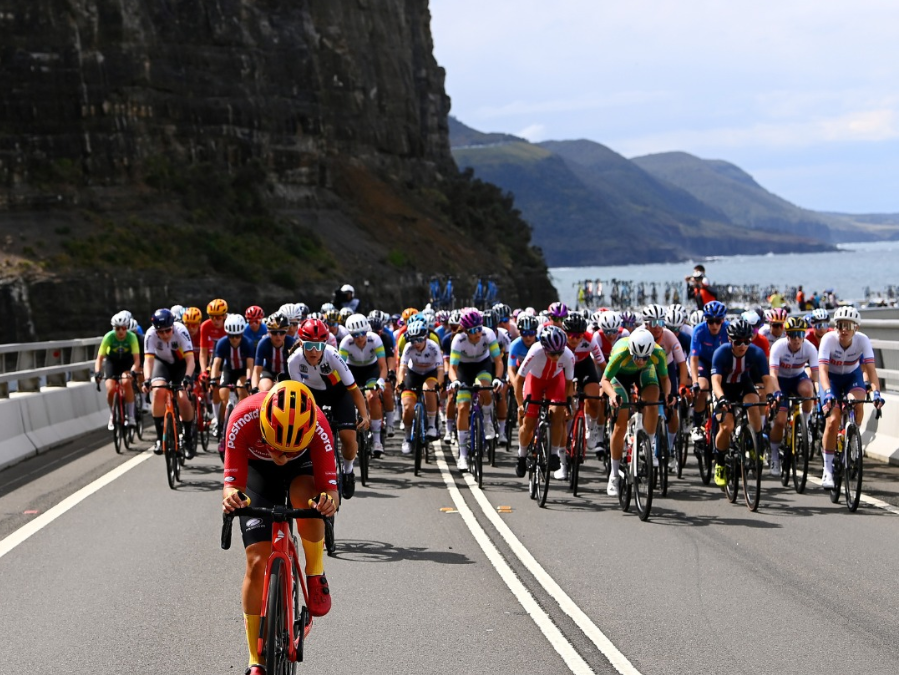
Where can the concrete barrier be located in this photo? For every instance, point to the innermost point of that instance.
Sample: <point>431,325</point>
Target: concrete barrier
<point>35,422</point>
<point>881,437</point>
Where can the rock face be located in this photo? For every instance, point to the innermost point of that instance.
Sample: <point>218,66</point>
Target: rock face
<point>339,102</point>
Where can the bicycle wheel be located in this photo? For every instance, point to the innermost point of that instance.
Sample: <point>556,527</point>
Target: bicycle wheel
<point>836,490</point>
<point>362,452</point>
<point>751,464</point>
<point>330,542</point>
<point>732,471</point>
<point>511,416</point>
<point>682,438</point>
<point>542,478</point>
<point>799,460</point>
<point>169,450</point>
<point>852,480</point>
<point>117,427</point>
<point>202,424</point>
<point>642,474</point>
<point>664,458</point>
<point>577,450</point>
<point>277,637</point>
<point>704,457</point>
<point>476,449</point>
<point>417,439</point>
<point>491,446</point>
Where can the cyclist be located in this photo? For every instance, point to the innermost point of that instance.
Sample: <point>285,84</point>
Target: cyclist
<point>589,362</point>
<point>505,320</point>
<point>490,318</point>
<point>610,332</point>
<point>319,366</point>
<point>335,328</point>
<point>547,372</point>
<point>676,321</point>
<point>820,325</point>
<point>707,337</point>
<point>474,358</point>
<point>635,361</point>
<point>169,357</point>
<point>655,321</point>
<point>753,319</point>
<point>289,454</point>
<point>294,315</point>
<point>630,320</point>
<point>774,329</point>
<point>364,352</point>
<point>445,348</point>
<point>120,350</point>
<point>270,362</point>
<point>421,365</point>
<point>255,329</point>
<point>845,358</point>
<point>556,312</point>
<point>378,322</point>
<point>788,362</point>
<point>735,369</point>
<point>233,362</point>
<point>211,331</point>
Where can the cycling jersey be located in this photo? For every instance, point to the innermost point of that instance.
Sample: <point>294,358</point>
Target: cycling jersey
<point>389,343</point>
<point>685,337</point>
<point>746,369</point>
<point>114,348</point>
<point>367,355</point>
<point>244,442</point>
<point>446,344</point>
<point>233,358</point>
<point>175,350</point>
<point>401,340</point>
<point>762,343</point>
<point>606,345</point>
<point>210,335</point>
<point>588,346</point>
<point>463,350</point>
<point>539,366</point>
<point>810,336</point>
<point>703,344</point>
<point>792,364</point>
<point>421,362</point>
<point>672,347</point>
<point>330,371</point>
<point>341,333</point>
<point>621,361</point>
<point>503,340</point>
<point>766,331</point>
<point>255,337</point>
<point>840,361</point>
<point>517,351</point>
<point>273,359</point>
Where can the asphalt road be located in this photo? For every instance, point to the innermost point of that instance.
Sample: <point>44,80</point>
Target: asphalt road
<point>433,579</point>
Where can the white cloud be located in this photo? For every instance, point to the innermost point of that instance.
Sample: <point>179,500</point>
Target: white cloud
<point>534,133</point>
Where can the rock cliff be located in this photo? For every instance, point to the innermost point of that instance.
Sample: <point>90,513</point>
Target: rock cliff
<point>161,151</point>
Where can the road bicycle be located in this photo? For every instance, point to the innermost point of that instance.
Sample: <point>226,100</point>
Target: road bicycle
<point>703,448</point>
<point>743,460</point>
<point>636,472</point>
<point>794,450</point>
<point>539,450</point>
<point>172,433</point>
<point>576,446</point>
<point>233,400</point>
<point>682,435</point>
<point>848,465</point>
<point>477,438</point>
<point>203,414</point>
<point>122,433</point>
<point>662,452</point>
<point>285,619</point>
<point>331,521</point>
<point>418,436</point>
<point>511,415</point>
<point>365,438</point>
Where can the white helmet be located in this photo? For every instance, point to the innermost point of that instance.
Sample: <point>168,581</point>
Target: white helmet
<point>303,309</point>
<point>132,325</point>
<point>641,343</point>
<point>177,311</point>
<point>291,312</point>
<point>609,321</point>
<point>346,288</point>
<point>357,323</point>
<point>345,314</point>
<point>675,316</point>
<point>847,313</point>
<point>820,314</point>
<point>751,317</point>
<point>653,313</point>
<point>121,319</point>
<point>696,317</point>
<point>327,307</point>
<point>235,324</point>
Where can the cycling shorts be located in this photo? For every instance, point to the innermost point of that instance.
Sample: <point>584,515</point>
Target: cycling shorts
<point>366,374</point>
<point>790,387</point>
<point>113,367</point>
<point>232,376</point>
<point>585,372</point>
<point>471,373</point>
<point>267,485</point>
<point>343,410</point>
<point>413,380</point>
<point>842,384</point>
<point>170,372</point>
<point>735,392</point>
<point>642,379</point>
<point>537,389</point>
<point>705,370</point>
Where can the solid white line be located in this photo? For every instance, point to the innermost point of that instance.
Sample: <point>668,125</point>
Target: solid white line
<point>557,640</point>
<point>618,660</point>
<point>865,499</point>
<point>20,535</point>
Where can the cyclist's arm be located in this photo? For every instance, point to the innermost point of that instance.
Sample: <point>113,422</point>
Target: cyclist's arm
<point>771,384</point>
<point>250,369</point>
<point>189,358</point>
<point>382,367</point>
<point>717,389</point>
<point>216,367</point>
<point>694,368</point>
<point>257,374</point>
<point>498,366</point>
<point>358,400</point>
<point>824,376</point>
<point>149,360</point>
<point>685,379</point>
<point>871,371</point>
<point>204,358</point>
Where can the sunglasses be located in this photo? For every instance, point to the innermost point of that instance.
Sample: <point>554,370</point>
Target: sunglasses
<point>610,333</point>
<point>281,333</point>
<point>359,334</point>
<point>796,334</point>
<point>217,317</point>
<point>417,341</point>
<point>528,333</point>
<point>474,331</point>
<point>294,323</point>
<point>163,330</point>
<point>235,336</point>
<point>118,328</point>
<point>714,322</point>
<point>776,324</point>
<point>314,346</point>
<point>640,359</point>
<point>741,342</point>
<point>575,336</point>
<point>845,325</point>
<point>656,323</point>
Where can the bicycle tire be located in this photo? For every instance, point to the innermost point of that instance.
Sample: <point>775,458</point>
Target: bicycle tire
<point>362,452</point>
<point>511,416</point>
<point>751,468</point>
<point>330,542</point>
<point>704,457</point>
<point>476,449</point>
<point>543,473</point>
<point>854,462</point>
<point>642,474</point>
<point>664,459</point>
<point>577,452</point>
<point>799,461</point>
<point>302,621</point>
<point>139,415</point>
<point>732,471</point>
<point>491,447</point>
<point>117,427</point>
<point>172,467</point>
<point>837,488</point>
<point>682,438</point>
<point>275,646</point>
<point>418,440</point>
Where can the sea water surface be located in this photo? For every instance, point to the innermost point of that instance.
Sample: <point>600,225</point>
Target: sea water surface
<point>849,271</point>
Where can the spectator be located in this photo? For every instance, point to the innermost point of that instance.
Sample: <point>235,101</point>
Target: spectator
<point>776,299</point>
<point>345,297</point>
<point>699,288</point>
<point>800,299</point>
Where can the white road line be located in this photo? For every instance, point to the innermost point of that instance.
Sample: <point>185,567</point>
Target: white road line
<point>557,640</point>
<point>618,660</point>
<point>20,535</point>
<point>865,499</point>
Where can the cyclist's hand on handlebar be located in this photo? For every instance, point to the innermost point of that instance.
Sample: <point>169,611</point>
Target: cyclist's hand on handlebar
<point>325,505</point>
<point>381,383</point>
<point>497,383</point>
<point>696,389</point>
<point>232,498</point>
<point>187,382</point>
<point>455,385</point>
<point>878,400</point>
<point>364,422</point>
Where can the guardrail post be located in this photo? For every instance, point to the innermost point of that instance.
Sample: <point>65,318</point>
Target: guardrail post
<point>27,361</point>
<point>81,353</point>
<point>4,386</point>
<point>54,357</point>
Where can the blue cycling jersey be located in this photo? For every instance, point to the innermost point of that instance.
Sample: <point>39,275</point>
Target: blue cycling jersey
<point>517,351</point>
<point>704,344</point>
<point>750,367</point>
<point>255,336</point>
<point>234,358</point>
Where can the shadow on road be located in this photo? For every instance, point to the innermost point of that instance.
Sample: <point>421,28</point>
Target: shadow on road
<point>382,552</point>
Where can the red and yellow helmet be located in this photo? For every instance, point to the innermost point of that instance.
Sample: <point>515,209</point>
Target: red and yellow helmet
<point>288,417</point>
<point>192,316</point>
<point>217,307</point>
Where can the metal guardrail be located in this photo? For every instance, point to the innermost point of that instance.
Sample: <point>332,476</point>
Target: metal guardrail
<point>27,366</point>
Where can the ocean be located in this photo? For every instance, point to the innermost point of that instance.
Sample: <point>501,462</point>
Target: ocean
<point>850,272</point>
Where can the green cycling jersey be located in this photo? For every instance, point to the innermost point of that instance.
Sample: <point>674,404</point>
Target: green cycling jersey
<point>621,361</point>
<point>115,348</point>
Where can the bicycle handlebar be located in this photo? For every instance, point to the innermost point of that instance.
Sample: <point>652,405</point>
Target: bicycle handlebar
<point>280,514</point>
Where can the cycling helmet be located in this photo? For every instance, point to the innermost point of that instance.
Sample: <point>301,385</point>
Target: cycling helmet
<point>290,311</point>
<point>287,417</point>
<point>503,311</point>
<point>530,310</point>
<point>739,330</point>
<point>796,323</point>
<point>327,307</point>
<point>470,318</point>
<point>654,313</point>
<point>120,320</point>
<point>177,311</point>
<point>488,316</point>
<point>527,322</point>
<point>820,315</point>
<point>133,325</point>
<point>609,322</point>
<point>675,316</point>
<point>847,313</point>
<point>217,307</point>
<point>641,343</point>
<point>553,339</point>
<point>277,321</point>
<point>628,319</point>
<point>357,323</point>
<point>304,309</point>
<point>331,317</point>
<point>254,313</point>
<point>375,321</point>
<point>558,310</point>
<point>416,330</point>
<point>125,311</point>
<point>346,288</point>
<point>441,316</point>
<point>751,317</point>
<point>776,315</point>
<point>714,310</point>
<point>163,318</point>
<point>192,316</point>
<point>315,315</point>
<point>235,324</point>
<point>345,314</point>
<point>430,316</point>
<point>313,330</point>
<point>408,312</point>
<point>454,317</point>
<point>574,323</point>
<point>695,317</point>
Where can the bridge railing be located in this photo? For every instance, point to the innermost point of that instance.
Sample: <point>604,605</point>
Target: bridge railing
<point>884,336</point>
<point>27,366</point>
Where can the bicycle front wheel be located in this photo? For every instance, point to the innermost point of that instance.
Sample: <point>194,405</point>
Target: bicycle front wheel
<point>682,438</point>
<point>577,450</point>
<point>277,635</point>
<point>664,458</point>
<point>418,440</point>
<point>732,471</point>
<point>362,452</point>
<point>118,428</point>
<point>799,465</point>
<point>170,450</point>
<point>476,449</point>
<point>852,478</point>
<point>542,478</point>
<point>642,474</point>
<point>704,457</point>
<point>751,463</point>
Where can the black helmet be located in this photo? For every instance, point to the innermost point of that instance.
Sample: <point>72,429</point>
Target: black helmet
<point>739,330</point>
<point>527,322</point>
<point>574,323</point>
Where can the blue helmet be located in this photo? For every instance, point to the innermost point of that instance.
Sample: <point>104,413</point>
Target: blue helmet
<point>553,339</point>
<point>163,318</point>
<point>714,310</point>
<point>416,330</point>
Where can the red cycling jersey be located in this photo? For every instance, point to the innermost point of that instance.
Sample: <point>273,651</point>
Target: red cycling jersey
<point>762,343</point>
<point>209,335</point>
<point>244,441</point>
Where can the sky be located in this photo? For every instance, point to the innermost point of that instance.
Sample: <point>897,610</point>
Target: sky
<point>801,94</point>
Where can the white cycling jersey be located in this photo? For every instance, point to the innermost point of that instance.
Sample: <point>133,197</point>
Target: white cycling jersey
<point>473,352</point>
<point>589,346</point>
<point>503,339</point>
<point>792,364</point>
<point>536,363</point>
<point>840,361</point>
<point>421,362</point>
<point>330,370</point>
<point>373,348</point>
<point>173,350</point>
